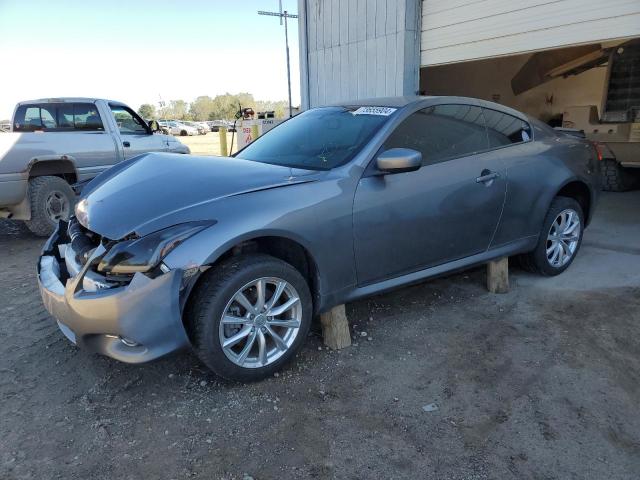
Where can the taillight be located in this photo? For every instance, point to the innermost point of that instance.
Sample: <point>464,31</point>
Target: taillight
<point>596,147</point>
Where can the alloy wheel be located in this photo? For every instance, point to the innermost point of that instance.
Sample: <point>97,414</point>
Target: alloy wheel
<point>563,238</point>
<point>260,322</point>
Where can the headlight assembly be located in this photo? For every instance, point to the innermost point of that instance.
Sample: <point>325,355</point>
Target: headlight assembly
<point>81,212</point>
<point>144,254</point>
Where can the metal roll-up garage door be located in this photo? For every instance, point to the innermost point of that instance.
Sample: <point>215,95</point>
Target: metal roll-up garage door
<point>461,30</point>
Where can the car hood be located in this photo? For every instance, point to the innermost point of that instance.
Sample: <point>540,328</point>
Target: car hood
<point>157,190</point>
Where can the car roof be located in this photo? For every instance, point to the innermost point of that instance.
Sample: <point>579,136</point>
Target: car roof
<point>69,100</point>
<point>397,102</point>
<point>415,100</point>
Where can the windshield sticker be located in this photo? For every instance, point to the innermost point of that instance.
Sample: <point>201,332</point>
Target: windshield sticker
<point>383,111</point>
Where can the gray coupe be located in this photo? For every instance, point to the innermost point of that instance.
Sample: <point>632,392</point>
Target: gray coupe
<point>235,256</point>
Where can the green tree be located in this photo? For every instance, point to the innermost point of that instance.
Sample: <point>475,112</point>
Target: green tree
<point>202,108</point>
<point>176,110</point>
<point>147,111</point>
<point>180,109</point>
<point>226,106</point>
<point>221,107</point>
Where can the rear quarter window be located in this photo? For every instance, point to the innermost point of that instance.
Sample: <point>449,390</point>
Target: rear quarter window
<point>504,129</point>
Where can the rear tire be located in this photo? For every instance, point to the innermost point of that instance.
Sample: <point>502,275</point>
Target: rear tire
<point>215,297</point>
<point>52,200</point>
<point>543,259</point>
<point>615,178</point>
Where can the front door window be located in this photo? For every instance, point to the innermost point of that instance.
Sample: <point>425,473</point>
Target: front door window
<point>128,122</point>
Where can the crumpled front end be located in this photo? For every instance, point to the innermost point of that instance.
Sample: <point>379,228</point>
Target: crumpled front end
<point>132,318</point>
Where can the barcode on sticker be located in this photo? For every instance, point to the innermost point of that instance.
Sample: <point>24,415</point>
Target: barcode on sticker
<point>384,111</point>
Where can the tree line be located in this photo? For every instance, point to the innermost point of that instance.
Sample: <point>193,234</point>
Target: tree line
<point>220,107</point>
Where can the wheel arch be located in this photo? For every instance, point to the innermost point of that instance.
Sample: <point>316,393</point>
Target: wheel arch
<point>580,192</point>
<point>278,245</point>
<point>57,166</point>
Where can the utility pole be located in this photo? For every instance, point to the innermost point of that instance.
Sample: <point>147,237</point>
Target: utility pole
<point>284,15</point>
<point>162,105</point>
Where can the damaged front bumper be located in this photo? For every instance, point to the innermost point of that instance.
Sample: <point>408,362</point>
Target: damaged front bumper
<point>133,323</point>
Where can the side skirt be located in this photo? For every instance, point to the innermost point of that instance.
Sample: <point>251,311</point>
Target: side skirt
<point>350,294</point>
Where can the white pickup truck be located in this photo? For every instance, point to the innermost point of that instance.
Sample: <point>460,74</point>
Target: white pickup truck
<point>58,142</point>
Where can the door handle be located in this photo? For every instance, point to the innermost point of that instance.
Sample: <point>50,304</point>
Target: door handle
<point>487,176</point>
<point>126,144</point>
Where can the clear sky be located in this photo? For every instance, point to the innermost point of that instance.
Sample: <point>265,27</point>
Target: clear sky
<point>137,51</point>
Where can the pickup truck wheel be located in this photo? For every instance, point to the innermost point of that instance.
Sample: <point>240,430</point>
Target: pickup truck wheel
<point>52,200</point>
<point>615,178</point>
<point>249,316</point>
<point>560,239</point>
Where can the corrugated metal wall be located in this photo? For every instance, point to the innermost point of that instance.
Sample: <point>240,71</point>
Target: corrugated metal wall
<point>359,49</point>
<point>459,30</point>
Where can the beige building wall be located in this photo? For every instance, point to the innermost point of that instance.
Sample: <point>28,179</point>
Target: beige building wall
<point>491,80</point>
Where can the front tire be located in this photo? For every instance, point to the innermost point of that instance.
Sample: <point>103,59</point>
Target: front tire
<point>249,316</point>
<point>52,200</point>
<point>560,239</point>
<point>183,133</point>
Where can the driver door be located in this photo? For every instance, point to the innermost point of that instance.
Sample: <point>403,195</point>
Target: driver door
<point>135,136</point>
<point>444,211</point>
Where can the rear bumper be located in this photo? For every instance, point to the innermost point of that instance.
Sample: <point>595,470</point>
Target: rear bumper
<point>134,324</point>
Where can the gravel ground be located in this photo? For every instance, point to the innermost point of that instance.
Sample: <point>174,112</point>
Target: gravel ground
<point>448,382</point>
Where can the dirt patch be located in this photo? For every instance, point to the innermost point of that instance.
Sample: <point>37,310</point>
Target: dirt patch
<point>536,384</point>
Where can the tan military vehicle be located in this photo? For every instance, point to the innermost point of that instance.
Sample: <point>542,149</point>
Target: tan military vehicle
<point>617,132</point>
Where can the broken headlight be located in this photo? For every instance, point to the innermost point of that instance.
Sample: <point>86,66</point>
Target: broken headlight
<point>145,253</point>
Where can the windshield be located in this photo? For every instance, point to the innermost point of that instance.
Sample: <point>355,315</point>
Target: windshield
<point>318,139</point>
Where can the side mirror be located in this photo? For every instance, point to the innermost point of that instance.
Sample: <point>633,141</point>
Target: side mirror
<point>154,126</point>
<point>397,160</point>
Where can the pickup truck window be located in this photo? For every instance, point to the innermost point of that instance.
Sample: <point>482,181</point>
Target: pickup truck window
<point>128,122</point>
<point>57,117</point>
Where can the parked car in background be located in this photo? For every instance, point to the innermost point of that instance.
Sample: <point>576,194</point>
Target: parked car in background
<point>206,126</point>
<point>58,142</point>
<point>164,126</point>
<point>215,125</point>
<point>201,129</point>
<point>164,129</point>
<point>179,128</point>
<point>235,256</point>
